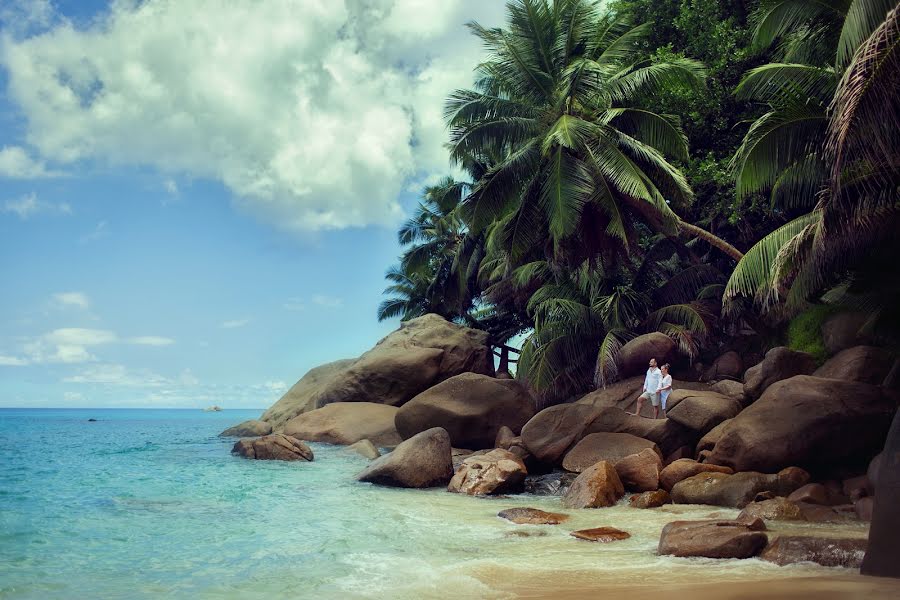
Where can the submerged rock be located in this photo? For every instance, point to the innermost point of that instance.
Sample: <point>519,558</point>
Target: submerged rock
<point>549,484</point>
<point>251,428</point>
<point>652,499</point>
<point>365,448</point>
<point>276,446</point>
<point>713,539</point>
<point>496,472</point>
<point>596,487</point>
<point>828,552</point>
<point>421,461</point>
<point>532,516</point>
<point>471,407</point>
<point>601,534</point>
<point>776,509</point>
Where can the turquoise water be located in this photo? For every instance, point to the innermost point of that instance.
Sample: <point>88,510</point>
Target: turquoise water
<point>150,504</point>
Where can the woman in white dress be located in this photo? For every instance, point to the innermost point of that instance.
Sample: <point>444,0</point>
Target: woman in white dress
<point>665,388</point>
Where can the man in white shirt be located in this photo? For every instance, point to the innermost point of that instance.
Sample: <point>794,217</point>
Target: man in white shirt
<point>651,389</point>
<point>665,388</point>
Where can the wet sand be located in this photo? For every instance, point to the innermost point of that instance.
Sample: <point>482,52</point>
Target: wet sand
<point>842,587</point>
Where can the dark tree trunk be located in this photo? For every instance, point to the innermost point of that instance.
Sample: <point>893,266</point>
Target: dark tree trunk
<point>883,554</point>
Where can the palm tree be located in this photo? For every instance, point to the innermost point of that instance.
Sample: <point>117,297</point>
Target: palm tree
<point>560,111</point>
<point>592,307</point>
<point>438,270</point>
<point>827,145</point>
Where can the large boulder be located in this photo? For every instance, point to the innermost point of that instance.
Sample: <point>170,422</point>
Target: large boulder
<point>640,472</point>
<point>596,487</point>
<point>713,539</point>
<point>867,364</point>
<point>421,461</point>
<point>636,354</point>
<point>620,394</point>
<point>421,353</point>
<point>652,499</point>
<point>665,433</point>
<point>727,366</point>
<point>276,446</point>
<point>884,543</point>
<point>251,428</point>
<point>609,447</point>
<point>551,432</point>
<point>708,441</point>
<point>683,468</point>
<point>305,394</point>
<point>701,411</point>
<point>779,363</point>
<point>347,423</point>
<point>731,389</point>
<point>471,407</point>
<point>828,552</point>
<point>842,330</point>
<point>365,448</point>
<point>496,472</point>
<point>737,490</point>
<point>818,424</point>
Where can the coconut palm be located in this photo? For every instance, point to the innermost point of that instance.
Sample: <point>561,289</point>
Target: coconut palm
<point>600,309</point>
<point>830,140</point>
<point>559,109</point>
<point>437,271</point>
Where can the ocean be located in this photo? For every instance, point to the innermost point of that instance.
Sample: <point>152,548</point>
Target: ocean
<point>151,504</point>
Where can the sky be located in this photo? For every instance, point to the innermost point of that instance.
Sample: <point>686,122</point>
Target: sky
<point>199,200</point>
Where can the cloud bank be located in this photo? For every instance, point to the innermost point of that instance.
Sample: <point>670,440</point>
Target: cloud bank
<point>315,114</point>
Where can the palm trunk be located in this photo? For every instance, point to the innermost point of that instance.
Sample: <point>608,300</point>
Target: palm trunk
<point>712,240</point>
<point>652,218</point>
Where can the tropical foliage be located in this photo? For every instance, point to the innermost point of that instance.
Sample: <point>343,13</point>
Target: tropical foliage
<point>572,222</point>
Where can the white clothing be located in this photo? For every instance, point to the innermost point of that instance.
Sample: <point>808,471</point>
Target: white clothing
<point>651,381</point>
<point>665,382</point>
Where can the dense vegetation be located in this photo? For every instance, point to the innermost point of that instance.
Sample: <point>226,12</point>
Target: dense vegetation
<point>620,160</point>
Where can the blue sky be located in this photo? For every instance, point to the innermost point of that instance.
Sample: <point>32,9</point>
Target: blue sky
<point>198,201</point>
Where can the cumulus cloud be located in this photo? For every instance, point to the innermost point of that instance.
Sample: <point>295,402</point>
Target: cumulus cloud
<point>73,299</point>
<point>314,113</point>
<point>16,163</point>
<point>74,344</point>
<point>28,206</point>
<point>12,361</point>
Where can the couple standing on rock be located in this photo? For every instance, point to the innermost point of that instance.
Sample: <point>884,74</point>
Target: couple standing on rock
<point>657,387</point>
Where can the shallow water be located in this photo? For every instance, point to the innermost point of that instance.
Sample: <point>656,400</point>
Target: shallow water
<point>150,503</point>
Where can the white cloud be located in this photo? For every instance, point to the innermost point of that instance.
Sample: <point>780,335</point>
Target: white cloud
<point>73,396</point>
<point>294,304</point>
<point>75,299</point>
<point>115,374</point>
<point>276,387</point>
<point>171,187</point>
<point>314,113</point>
<point>235,323</point>
<point>327,301</point>
<point>188,378</point>
<point>15,163</point>
<point>12,361</point>
<point>100,230</point>
<point>22,16</point>
<point>28,205</point>
<point>151,340</point>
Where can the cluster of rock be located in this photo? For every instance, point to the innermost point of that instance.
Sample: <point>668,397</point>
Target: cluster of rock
<point>790,441</point>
